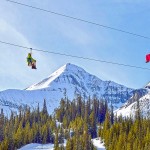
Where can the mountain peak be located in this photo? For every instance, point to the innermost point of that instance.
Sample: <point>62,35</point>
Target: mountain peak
<point>77,81</point>
<point>71,67</point>
<point>68,67</point>
<point>65,69</point>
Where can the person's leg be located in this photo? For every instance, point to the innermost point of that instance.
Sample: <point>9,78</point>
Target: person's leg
<point>34,65</point>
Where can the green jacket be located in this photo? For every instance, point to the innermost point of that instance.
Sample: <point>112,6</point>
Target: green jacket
<point>30,59</point>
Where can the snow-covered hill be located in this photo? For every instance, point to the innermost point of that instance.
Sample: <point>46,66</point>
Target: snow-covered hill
<point>130,107</point>
<point>68,81</point>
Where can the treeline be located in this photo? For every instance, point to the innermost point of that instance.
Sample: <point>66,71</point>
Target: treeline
<point>76,121</point>
<point>81,119</point>
<point>39,127</point>
<point>77,113</point>
<point>126,133</point>
<point>27,127</point>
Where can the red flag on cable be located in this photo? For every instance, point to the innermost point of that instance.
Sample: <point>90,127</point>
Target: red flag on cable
<point>147,58</point>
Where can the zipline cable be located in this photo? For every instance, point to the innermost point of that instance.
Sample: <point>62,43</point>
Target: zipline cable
<point>75,56</point>
<point>80,19</point>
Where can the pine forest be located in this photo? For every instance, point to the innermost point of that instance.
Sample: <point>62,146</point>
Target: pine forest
<point>78,122</point>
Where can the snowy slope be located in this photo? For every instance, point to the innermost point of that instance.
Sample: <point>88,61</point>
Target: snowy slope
<point>68,81</point>
<point>97,143</point>
<point>130,108</point>
<point>34,146</point>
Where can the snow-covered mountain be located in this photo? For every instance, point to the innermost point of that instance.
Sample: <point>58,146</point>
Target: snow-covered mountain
<point>141,97</point>
<point>68,81</point>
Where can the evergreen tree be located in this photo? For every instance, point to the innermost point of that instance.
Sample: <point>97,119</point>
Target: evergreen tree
<point>112,115</point>
<point>69,145</point>
<point>56,144</point>
<point>93,129</point>
<point>86,140</point>
<point>44,111</point>
<point>1,125</point>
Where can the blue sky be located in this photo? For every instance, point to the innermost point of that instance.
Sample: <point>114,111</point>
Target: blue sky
<point>33,28</point>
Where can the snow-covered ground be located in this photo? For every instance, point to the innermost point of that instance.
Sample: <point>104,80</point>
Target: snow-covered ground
<point>125,111</point>
<point>33,146</point>
<point>98,144</point>
<point>128,110</point>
